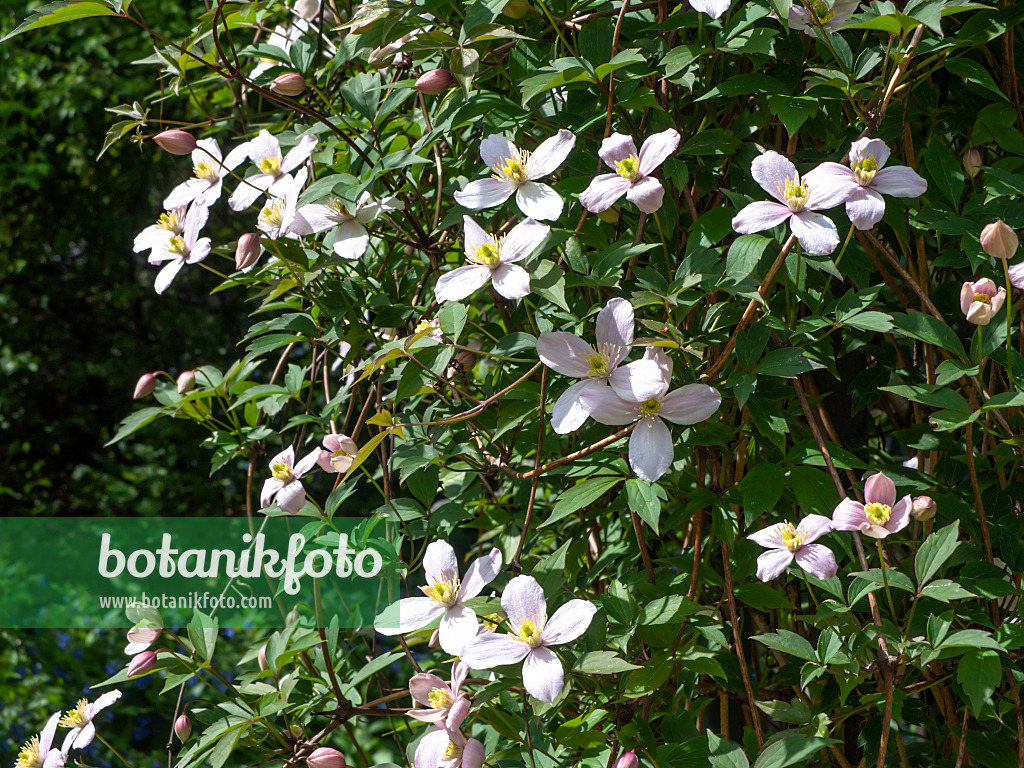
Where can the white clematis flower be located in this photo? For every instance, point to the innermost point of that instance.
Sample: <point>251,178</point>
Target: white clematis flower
<point>156,236</point>
<point>633,170</point>
<point>787,542</point>
<point>796,203</point>
<point>524,602</point>
<point>274,170</point>
<point>713,8</point>
<point>39,751</point>
<point>352,239</point>
<point>278,214</point>
<point>492,259</point>
<point>179,250</point>
<point>80,721</point>
<point>448,748</point>
<point>445,597</point>
<point>209,170</point>
<point>516,170</point>
<point>283,486</point>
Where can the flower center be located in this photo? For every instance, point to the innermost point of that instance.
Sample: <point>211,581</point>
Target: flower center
<point>491,621</point>
<point>530,632</point>
<point>75,718</point>
<point>281,471</point>
<point>864,170</point>
<point>339,210</point>
<point>795,195</point>
<point>454,751</point>
<point>205,171</point>
<point>29,756</point>
<point>822,12</point>
<point>877,513</point>
<point>176,245</point>
<point>600,366</point>
<point>272,216</point>
<point>628,168</point>
<point>651,407</point>
<point>271,165</point>
<point>984,298</point>
<point>792,536</point>
<point>172,221</point>
<point>515,169</point>
<point>440,698</point>
<point>488,254</point>
<point>445,591</point>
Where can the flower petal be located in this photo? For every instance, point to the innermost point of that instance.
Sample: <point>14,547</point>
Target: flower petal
<point>522,599</point>
<point>482,572</point>
<point>543,674</point>
<point>166,275</point>
<point>431,749</point>
<point>539,201</point>
<point>551,154</point>
<point>524,238</point>
<point>420,686</point>
<point>770,537</point>
<point>771,170</point>
<point>757,217</point>
<point>829,185</point>
<point>862,148</point>
<point>495,150</point>
<point>639,381</point>
<point>603,191</point>
<point>185,193</point>
<point>458,626</point>
<point>647,194</point>
<point>899,181</point>
<point>485,193</point>
<point>511,281</point>
<point>413,613</point>
<point>247,191</point>
<point>771,564</point>
<point>306,463</point>
<point>456,715</point>
<point>713,8</point>
<point>569,622</point>
<point>879,489</point>
<point>650,449</point>
<point>818,560</point>
<point>351,240</point>
<point>491,650</point>
<point>473,754</point>
<point>461,282</point>
<point>440,562</point>
<point>615,148</point>
<point>292,497</point>
<point>657,148</point>
<point>865,207</point>
<point>848,516</point>
<point>473,235</point>
<point>570,410</point>
<point>815,231</point>
<point>270,487</point>
<point>690,404</point>
<point>47,734</point>
<point>606,407</point>
<point>900,515</point>
<point>264,147</point>
<point>311,219</point>
<point>565,353</point>
<point>615,325</point>
<point>814,527</point>
<point>298,154</point>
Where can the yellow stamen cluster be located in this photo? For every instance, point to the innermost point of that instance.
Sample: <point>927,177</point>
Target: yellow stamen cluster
<point>29,756</point>
<point>440,698</point>
<point>281,471</point>
<point>339,209</point>
<point>488,254</point>
<point>205,171</point>
<point>75,718</point>
<point>984,298</point>
<point>176,245</point>
<point>445,591</point>
<point>864,170</point>
<point>530,632</point>
<point>272,215</point>
<point>271,165</point>
<point>454,751</point>
<point>515,169</point>
<point>628,168</point>
<point>822,12</point>
<point>172,221</point>
<point>650,407</point>
<point>877,513</point>
<point>792,537</point>
<point>795,195</point>
<point>492,621</point>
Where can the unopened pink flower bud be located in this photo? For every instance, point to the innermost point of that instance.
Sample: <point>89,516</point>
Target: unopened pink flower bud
<point>141,663</point>
<point>247,250</point>
<point>186,381</point>
<point>175,141</point>
<point>261,657</point>
<point>972,162</point>
<point>289,84</point>
<point>435,81</point>
<point>325,757</point>
<point>999,241</point>
<point>627,760</point>
<point>292,617</point>
<point>183,728</point>
<point>922,508</point>
<point>516,9</point>
<point>145,385</point>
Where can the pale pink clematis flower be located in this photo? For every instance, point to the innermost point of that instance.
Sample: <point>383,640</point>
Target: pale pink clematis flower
<point>156,236</point>
<point>868,179</point>
<point>179,250</point>
<point>713,8</point>
<point>338,454</point>
<point>786,543</point>
<point>148,625</point>
<point>80,721</point>
<point>492,259</point>
<point>351,239</point>
<point>980,301</point>
<point>569,355</point>
<point>830,15</point>
<point>283,487</point>
<point>796,203</point>
<point>632,176</point>
<point>877,517</point>
<point>278,213</point>
<point>274,170</point>
<point>444,748</point>
<point>516,170</point>
<point>209,170</point>
<point>445,597</point>
<point>650,444</point>
<point>39,751</point>
<point>524,602</point>
<point>447,706</point>
<point>1017,276</point>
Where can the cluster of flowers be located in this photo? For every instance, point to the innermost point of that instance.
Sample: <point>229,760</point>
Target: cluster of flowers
<point>283,487</point>
<point>479,646</point>
<point>39,751</point>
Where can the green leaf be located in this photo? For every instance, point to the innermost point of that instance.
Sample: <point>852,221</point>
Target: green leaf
<point>787,363</point>
<point>790,748</point>
<point>135,422</point>
<point>972,638</point>
<point>580,496</point>
<point>972,72</point>
<point>602,663</point>
<point>649,678</point>
<point>945,590</point>
<point>935,551</point>
<point>936,396</point>
<point>645,499</point>
<point>980,673</point>
<point>726,754</point>
<point>673,609</point>
<point>58,13</point>
<point>930,330</point>
<point>202,631</point>
<point>452,319</point>
<point>793,111</point>
<point>549,281</point>
<point>714,141</point>
<point>945,171</point>
<point>788,642</point>
<point>622,59</point>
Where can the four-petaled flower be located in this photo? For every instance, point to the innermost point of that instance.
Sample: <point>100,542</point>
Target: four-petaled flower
<point>524,602</point>
<point>829,15</point>
<point>80,721</point>
<point>786,543</point>
<point>208,170</point>
<point>338,454</point>
<point>445,597</point>
<point>284,480</point>
<point>597,367</point>
<point>156,236</point>
<point>179,250</point>
<point>278,213</point>
<point>633,171</point>
<point>492,259</point>
<point>274,171</point>
<point>351,239</point>
<point>516,170</point>
<point>879,515</point>
<point>650,444</point>
<point>796,203</point>
<point>981,300</point>
<point>447,706</point>
<point>39,751</point>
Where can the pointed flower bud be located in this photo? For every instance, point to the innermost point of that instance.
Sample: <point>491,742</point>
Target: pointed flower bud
<point>292,617</point>
<point>183,728</point>
<point>145,385</point>
<point>999,241</point>
<point>627,760</point>
<point>141,663</point>
<point>175,141</point>
<point>290,84</point>
<point>435,81</point>
<point>325,757</point>
<point>186,381</point>
<point>261,657</point>
<point>922,508</point>
<point>247,250</point>
<point>972,162</point>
